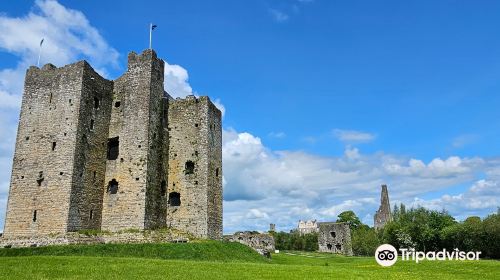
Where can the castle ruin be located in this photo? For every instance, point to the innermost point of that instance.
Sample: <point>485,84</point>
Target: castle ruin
<point>335,238</point>
<point>383,214</point>
<point>113,155</point>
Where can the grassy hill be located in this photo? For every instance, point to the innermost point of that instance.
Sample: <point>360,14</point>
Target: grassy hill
<point>217,260</point>
<point>201,251</point>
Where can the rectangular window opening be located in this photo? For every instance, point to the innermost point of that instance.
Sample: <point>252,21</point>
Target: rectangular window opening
<point>113,148</point>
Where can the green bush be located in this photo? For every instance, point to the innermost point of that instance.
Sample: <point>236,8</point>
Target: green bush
<point>295,241</point>
<point>364,241</point>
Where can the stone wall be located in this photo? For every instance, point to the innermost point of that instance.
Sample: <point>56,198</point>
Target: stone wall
<point>335,238</point>
<point>135,124</point>
<point>194,167</point>
<point>90,152</point>
<point>49,134</point>
<point>101,238</point>
<point>262,243</point>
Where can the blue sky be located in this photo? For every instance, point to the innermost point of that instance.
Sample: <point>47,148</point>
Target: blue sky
<point>324,100</point>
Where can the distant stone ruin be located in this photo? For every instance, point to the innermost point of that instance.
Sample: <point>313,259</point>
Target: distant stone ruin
<point>260,242</point>
<point>272,227</point>
<point>383,214</point>
<point>305,227</point>
<point>335,238</point>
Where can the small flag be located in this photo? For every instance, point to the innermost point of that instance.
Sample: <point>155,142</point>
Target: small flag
<point>41,42</point>
<point>153,27</point>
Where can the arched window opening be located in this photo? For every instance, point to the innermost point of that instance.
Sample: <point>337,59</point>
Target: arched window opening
<point>113,187</point>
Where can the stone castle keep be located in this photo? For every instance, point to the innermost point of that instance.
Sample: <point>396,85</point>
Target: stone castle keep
<point>114,155</point>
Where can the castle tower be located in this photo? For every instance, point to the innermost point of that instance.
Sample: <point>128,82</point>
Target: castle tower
<point>58,161</point>
<point>114,155</point>
<point>383,214</point>
<point>195,167</point>
<point>132,193</point>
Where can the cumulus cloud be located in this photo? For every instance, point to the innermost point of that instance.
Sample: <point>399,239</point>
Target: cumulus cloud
<point>436,168</point>
<point>353,136</point>
<point>256,214</point>
<point>293,185</point>
<point>177,84</point>
<point>482,197</point>
<point>278,15</point>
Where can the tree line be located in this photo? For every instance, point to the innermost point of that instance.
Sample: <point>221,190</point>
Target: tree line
<point>418,228</point>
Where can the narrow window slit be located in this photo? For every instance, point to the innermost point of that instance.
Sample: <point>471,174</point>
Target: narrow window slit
<point>163,188</point>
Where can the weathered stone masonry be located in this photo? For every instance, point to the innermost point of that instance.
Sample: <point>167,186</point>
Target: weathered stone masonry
<point>114,155</point>
<point>335,238</point>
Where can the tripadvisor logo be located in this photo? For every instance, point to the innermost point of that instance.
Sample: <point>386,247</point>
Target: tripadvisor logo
<point>387,255</point>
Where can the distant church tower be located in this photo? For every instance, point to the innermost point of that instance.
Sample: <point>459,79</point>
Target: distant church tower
<point>383,214</point>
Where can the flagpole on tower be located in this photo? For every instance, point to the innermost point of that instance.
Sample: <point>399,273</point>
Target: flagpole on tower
<point>150,34</point>
<point>151,28</point>
<point>39,53</point>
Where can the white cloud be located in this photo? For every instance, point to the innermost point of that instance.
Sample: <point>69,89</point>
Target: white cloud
<point>177,84</point>
<point>436,168</point>
<point>176,81</point>
<point>279,134</point>
<point>293,185</point>
<point>353,136</point>
<point>464,140</point>
<point>482,197</point>
<point>278,15</point>
<point>256,214</point>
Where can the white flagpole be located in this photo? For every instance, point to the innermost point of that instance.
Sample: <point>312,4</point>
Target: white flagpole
<point>39,53</point>
<point>150,34</point>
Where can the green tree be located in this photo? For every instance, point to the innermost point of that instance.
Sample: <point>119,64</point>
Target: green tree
<point>491,241</point>
<point>364,241</point>
<point>350,218</point>
<point>418,227</point>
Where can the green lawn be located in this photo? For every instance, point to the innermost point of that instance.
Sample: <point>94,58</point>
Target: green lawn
<point>237,264</point>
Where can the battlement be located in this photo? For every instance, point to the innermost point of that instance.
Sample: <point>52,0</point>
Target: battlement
<point>146,57</point>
